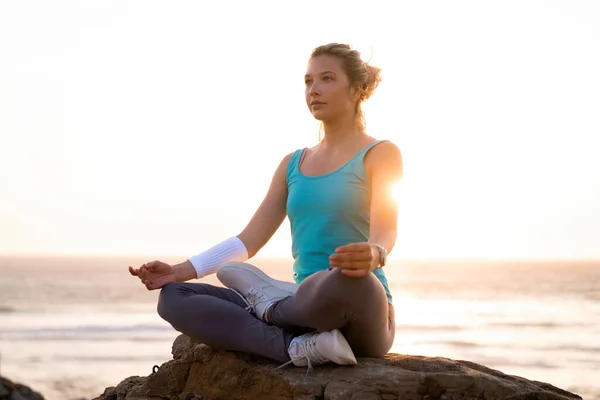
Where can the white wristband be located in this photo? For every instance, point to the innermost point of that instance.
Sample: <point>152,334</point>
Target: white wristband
<point>208,262</point>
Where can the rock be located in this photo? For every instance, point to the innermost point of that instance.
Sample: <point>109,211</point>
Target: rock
<point>15,391</point>
<point>197,372</point>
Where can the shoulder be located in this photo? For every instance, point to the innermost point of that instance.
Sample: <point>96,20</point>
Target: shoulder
<point>285,161</point>
<point>284,165</point>
<point>386,148</point>
<point>384,157</point>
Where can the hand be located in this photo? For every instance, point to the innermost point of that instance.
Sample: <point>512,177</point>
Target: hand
<point>355,259</point>
<point>154,274</point>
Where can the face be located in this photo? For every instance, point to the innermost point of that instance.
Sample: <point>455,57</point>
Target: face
<point>328,94</point>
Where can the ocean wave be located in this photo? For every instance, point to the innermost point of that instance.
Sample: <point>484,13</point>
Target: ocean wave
<point>595,296</point>
<point>93,329</point>
<point>107,358</point>
<point>456,343</point>
<point>512,346</point>
<point>87,338</point>
<point>540,324</point>
<point>428,328</point>
<point>585,349</point>
<point>532,364</point>
<point>145,332</point>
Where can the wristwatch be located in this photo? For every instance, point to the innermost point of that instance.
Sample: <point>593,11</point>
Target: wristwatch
<point>382,255</point>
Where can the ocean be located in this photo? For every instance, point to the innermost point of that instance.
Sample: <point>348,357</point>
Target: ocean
<point>71,326</point>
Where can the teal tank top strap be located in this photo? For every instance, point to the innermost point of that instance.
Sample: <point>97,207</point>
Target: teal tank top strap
<point>356,165</point>
<point>293,165</point>
<point>370,145</point>
<point>361,154</point>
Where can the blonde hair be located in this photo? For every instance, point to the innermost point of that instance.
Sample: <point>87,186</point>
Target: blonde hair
<point>361,75</point>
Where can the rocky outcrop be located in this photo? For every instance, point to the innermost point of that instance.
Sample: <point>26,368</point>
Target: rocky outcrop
<point>15,391</point>
<point>197,372</point>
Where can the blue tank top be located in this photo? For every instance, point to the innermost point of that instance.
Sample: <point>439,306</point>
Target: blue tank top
<point>328,211</point>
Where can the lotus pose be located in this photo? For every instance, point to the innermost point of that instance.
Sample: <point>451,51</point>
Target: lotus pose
<point>337,196</point>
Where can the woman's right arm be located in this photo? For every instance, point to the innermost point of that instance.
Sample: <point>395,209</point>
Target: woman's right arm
<point>270,214</point>
<point>263,224</point>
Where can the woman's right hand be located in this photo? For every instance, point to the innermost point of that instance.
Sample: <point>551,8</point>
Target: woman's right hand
<point>154,274</point>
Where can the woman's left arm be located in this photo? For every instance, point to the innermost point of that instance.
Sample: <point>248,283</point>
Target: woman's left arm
<point>383,164</point>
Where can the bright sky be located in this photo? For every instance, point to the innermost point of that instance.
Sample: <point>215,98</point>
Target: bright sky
<point>131,127</point>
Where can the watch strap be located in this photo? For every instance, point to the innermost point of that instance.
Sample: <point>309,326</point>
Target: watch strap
<point>382,254</point>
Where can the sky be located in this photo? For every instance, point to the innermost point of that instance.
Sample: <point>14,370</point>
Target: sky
<point>145,127</point>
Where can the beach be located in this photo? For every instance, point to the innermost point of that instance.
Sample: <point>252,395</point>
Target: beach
<point>71,326</point>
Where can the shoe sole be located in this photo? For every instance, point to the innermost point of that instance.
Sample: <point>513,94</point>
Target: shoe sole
<point>287,286</point>
<point>343,349</point>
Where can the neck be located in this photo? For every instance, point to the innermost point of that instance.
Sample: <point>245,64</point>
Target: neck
<point>339,133</point>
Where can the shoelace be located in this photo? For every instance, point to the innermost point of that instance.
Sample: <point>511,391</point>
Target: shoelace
<point>308,370</point>
<point>249,306</point>
<point>257,296</point>
<point>307,348</point>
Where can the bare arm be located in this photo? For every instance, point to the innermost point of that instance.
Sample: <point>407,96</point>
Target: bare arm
<point>270,214</point>
<point>384,166</point>
<point>263,224</point>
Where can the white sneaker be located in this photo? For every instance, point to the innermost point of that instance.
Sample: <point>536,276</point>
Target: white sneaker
<point>258,290</point>
<point>320,348</point>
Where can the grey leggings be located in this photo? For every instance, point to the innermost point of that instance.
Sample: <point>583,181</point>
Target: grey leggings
<point>324,301</point>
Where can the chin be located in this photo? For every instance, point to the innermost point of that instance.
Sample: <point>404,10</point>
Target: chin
<point>318,115</point>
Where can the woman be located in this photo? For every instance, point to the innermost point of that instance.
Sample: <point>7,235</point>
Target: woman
<point>343,220</point>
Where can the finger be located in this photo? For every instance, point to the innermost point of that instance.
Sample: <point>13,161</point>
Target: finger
<point>351,265</point>
<point>133,271</point>
<point>342,264</point>
<point>342,267</point>
<point>354,256</point>
<point>355,273</point>
<point>350,257</point>
<point>353,247</point>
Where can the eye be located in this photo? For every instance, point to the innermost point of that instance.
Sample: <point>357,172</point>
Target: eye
<point>307,82</point>
<point>327,78</point>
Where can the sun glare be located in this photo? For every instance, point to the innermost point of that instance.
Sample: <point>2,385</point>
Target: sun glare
<point>396,192</point>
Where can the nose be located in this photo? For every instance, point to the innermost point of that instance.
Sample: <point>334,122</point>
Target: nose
<point>313,89</point>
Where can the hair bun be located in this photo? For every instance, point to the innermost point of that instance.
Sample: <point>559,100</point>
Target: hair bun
<point>372,80</point>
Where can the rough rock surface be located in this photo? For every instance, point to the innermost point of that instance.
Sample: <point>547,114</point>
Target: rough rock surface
<point>197,372</point>
<point>16,391</point>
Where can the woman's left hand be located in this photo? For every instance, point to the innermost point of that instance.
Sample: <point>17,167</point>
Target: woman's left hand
<point>355,259</point>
